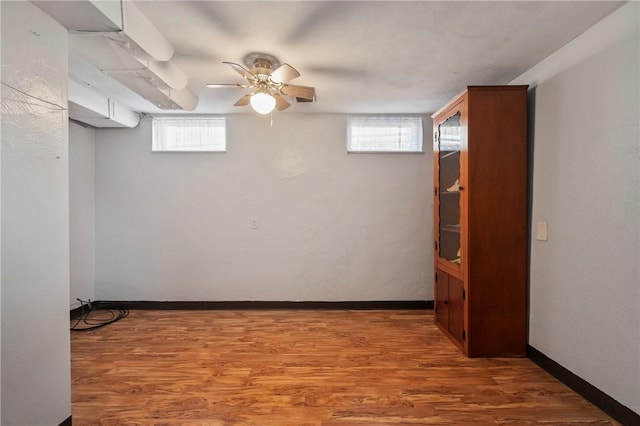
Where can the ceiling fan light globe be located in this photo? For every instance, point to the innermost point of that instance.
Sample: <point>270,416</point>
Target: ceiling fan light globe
<point>263,103</point>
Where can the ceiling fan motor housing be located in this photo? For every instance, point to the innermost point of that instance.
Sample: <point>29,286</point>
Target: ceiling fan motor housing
<point>252,59</point>
<point>261,69</point>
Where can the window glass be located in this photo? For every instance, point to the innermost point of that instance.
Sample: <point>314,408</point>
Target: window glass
<point>189,134</point>
<point>384,134</point>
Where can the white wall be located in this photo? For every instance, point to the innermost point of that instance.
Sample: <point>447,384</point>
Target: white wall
<point>332,226</point>
<point>585,281</point>
<point>82,212</point>
<point>36,386</point>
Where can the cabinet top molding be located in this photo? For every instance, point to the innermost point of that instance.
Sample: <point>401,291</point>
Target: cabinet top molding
<point>457,97</point>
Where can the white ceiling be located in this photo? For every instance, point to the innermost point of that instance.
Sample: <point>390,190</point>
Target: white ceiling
<point>362,57</point>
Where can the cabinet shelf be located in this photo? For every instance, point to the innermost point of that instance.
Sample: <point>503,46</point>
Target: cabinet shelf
<point>450,228</point>
<point>449,192</point>
<point>449,154</point>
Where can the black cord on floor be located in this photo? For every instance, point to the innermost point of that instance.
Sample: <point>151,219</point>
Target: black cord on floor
<point>93,316</point>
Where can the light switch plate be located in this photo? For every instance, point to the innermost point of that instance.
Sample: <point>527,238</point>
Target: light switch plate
<point>541,231</point>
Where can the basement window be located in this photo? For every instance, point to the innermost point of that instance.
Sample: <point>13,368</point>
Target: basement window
<point>189,134</point>
<point>384,134</point>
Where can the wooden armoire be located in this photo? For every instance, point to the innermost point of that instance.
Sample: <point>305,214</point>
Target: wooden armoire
<point>480,229</point>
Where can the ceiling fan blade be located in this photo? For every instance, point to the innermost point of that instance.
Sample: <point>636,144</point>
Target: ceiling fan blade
<point>281,103</point>
<point>284,73</point>
<point>224,86</point>
<point>243,101</point>
<point>304,92</point>
<point>240,70</point>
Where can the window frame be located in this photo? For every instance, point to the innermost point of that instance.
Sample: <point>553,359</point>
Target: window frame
<point>217,118</point>
<point>391,118</point>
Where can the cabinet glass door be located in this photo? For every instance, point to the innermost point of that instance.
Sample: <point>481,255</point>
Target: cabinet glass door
<point>449,140</point>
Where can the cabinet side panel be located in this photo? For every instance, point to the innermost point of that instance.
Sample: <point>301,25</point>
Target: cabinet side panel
<point>497,176</point>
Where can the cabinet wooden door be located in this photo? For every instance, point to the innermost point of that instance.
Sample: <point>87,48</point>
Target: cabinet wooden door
<point>449,304</point>
<point>448,192</point>
<point>456,309</point>
<point>442,299</point>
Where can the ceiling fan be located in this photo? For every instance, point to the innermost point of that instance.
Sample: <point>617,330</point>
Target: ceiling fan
<point>268,81</point>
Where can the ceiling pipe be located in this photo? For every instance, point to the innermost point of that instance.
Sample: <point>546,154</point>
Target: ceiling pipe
<point>165,75</point>
<point>145,41</point>
<point>183,99</point>
<point>145,84</point>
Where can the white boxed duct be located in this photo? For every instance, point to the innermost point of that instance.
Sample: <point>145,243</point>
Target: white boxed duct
<point>90,107</point>
<point>121,20</point>
<point>85,15</point>
<point>119,40</point>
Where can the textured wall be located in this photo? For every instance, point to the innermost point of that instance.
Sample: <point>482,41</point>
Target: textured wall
<point>332,225</point>
<point>82,212</point>
<point>585,290</point>
<point>36,388</point>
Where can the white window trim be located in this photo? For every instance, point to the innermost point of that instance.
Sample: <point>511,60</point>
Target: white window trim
<point>393,119</point>
<point>215,149</point>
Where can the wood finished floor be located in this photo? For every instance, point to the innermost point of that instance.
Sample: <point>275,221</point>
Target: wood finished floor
<point>303,368</point>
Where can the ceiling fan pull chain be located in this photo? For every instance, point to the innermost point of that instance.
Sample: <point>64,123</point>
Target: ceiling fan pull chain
<point>271,115</point>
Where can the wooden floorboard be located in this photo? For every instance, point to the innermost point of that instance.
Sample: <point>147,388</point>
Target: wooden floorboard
<point>304,368</point>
